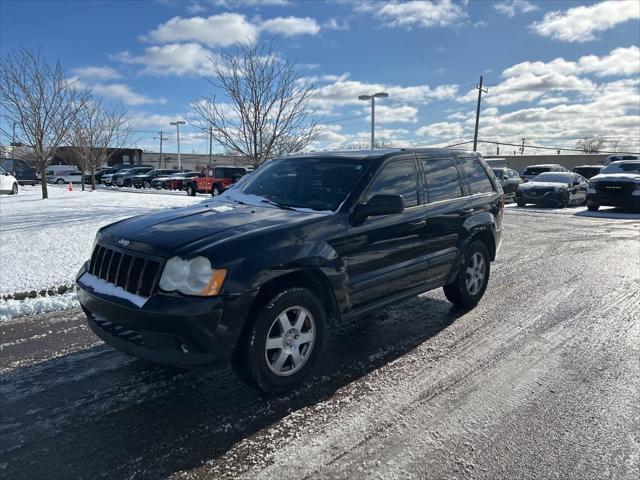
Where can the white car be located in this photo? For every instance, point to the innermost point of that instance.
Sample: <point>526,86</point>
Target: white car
<point>70,176</point>
<point>8,183</point>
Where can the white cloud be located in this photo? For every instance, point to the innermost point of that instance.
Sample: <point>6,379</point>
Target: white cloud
<point>441,130</point>
<point>154,120</point>
<point>291,26</point>
<point>579,24</point>
<point>172,59</point>
<point>401,114</point>
<point>553,100</point>
<point>415,13</point>
<point>123,93</point>
<point>194,8</point>
<point>512,7</point>
<point>249,3</point>
<point>97,73</point>
<point>335,24</point>
<point>220,30</point>
<point>621,61</point>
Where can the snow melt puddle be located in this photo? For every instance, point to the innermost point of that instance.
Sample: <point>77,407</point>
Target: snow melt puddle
<point>30,306</point>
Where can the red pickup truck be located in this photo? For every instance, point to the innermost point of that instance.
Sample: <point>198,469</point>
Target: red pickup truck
<point>214,180</point>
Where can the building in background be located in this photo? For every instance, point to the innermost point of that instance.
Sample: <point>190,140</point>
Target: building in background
<point>190,161</point>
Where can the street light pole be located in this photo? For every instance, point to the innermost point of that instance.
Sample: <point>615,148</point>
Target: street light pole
<point>373,113</point>
<point>177,124</point>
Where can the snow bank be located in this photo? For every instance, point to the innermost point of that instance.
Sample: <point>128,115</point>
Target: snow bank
<point>31,306</point>
<point>43,243</point>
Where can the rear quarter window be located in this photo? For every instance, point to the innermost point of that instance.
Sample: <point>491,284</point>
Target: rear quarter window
<point>477,176</point>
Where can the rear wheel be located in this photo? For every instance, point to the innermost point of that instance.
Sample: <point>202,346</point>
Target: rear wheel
<point>521,203</point>
<point>191,191</point>
<point>470,284</point>
<point>284,342</point>
<point>60,181</point>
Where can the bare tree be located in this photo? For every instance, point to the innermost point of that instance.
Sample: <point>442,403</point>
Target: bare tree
<point>97,131</point>
<point>592,144</point>
<point>617,146</point>
<point>41,102</point>
<point>265,110</point>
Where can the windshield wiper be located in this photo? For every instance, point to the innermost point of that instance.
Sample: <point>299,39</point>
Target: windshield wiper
<point>275,204</point>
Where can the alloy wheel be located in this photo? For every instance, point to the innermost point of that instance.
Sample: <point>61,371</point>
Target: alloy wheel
<point>290,341</point>
<point>476,272</point>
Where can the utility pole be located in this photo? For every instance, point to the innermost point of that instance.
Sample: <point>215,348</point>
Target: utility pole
<point>177,124</point>
<point>475,133</point>
<point>210,142</point>
<point>161,138</point>
<point>522,147</point>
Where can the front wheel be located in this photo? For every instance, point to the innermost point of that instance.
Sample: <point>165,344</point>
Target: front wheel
<point>14,190</point>
<point>146,184</point>
<point>521,203</point>
<point>283,344</point>
<point>470,284</point>
<point>592,207</point>
<point>215,191</point>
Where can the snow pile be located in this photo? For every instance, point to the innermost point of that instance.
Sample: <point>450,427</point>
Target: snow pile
<point>31,306</point>
<point>43,243</point>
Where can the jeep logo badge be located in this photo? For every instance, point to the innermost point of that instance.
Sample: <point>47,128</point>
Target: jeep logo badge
<point>124,242</point>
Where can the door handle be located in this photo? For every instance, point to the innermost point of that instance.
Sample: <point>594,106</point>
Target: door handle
<point>467,210</point>
<point>418,223</point>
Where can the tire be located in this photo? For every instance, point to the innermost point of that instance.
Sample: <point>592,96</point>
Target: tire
<point>60,181</point>
<point>273,369</point>
<point>215,191</point>
<point>191,191</point>
<point>592,207</point>
<point>521,203</point>
<point>14,189</point>
<point>146,184</point>
<point>466,292</point>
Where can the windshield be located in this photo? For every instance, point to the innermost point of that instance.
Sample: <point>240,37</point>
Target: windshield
<point>622,167</point>
<point>315,183</point>
<point>535,170</point>
<point>553,177</point>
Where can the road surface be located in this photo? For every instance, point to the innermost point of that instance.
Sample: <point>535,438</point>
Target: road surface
<point>541,380</point>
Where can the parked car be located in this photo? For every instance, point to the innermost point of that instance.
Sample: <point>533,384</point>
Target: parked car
<point>124,178</point>
<point>560,189</point>
<point>107,179</point>
<point>618,185</point>
<point>257,275</point>
<point>53,170</point>
<point>534,170</point>
<point>144,180</point>
<point>8,183</point>
<point>215,180</point>
<point>509,179</point>
<point>617,158</point>
<point>70,176</point>
<point>587,171</point>
<point>175,182</point>
<point>102,172</point>
<point>25,175</point>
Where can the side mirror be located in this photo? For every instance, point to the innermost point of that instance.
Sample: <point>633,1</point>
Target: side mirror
<point>379,205</point>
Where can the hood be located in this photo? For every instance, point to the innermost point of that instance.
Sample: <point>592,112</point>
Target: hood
<point>617,177</point>
<point>532,184</point>
<point>175,229</point>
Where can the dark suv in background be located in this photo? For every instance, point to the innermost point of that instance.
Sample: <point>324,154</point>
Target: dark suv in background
<point>258,274</point>
<point>144,180</point>
<point>124,178</point>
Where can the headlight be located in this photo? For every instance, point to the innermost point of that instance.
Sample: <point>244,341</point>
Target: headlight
<point>192,277</point>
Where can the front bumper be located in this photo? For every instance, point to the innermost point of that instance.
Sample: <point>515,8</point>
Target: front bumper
<point>622,200</point>
<point>169,329</point>
<point>557,197</point>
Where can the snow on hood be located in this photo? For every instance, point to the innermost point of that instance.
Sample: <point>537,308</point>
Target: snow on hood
<point>529,185</point>
<point>616,177</point>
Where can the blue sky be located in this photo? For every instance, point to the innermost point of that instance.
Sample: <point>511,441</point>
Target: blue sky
<point>555,70</point>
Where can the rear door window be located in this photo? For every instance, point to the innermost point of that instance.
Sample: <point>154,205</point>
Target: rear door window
<point>476,176</point>
<point>397,178</point>
<point>443,181</point>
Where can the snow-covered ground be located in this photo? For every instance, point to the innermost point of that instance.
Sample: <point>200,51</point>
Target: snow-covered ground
<point>604,212</point>
<point>43,243</point>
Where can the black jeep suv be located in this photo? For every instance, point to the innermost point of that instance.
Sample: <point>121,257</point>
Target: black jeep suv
<point>257,275</point>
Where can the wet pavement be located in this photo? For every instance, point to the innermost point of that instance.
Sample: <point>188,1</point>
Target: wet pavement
<point>541,380</point>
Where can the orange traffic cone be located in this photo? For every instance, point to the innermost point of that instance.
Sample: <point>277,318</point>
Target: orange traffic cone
<point>70,187</point>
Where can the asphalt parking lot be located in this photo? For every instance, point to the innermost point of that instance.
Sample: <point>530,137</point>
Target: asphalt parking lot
<point>541,380</point>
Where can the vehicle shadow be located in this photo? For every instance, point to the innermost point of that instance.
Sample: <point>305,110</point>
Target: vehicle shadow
<point>615,212</point>
<point>99,413</point>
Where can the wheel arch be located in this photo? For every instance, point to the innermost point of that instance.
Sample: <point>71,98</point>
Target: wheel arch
<point>486,237</point>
